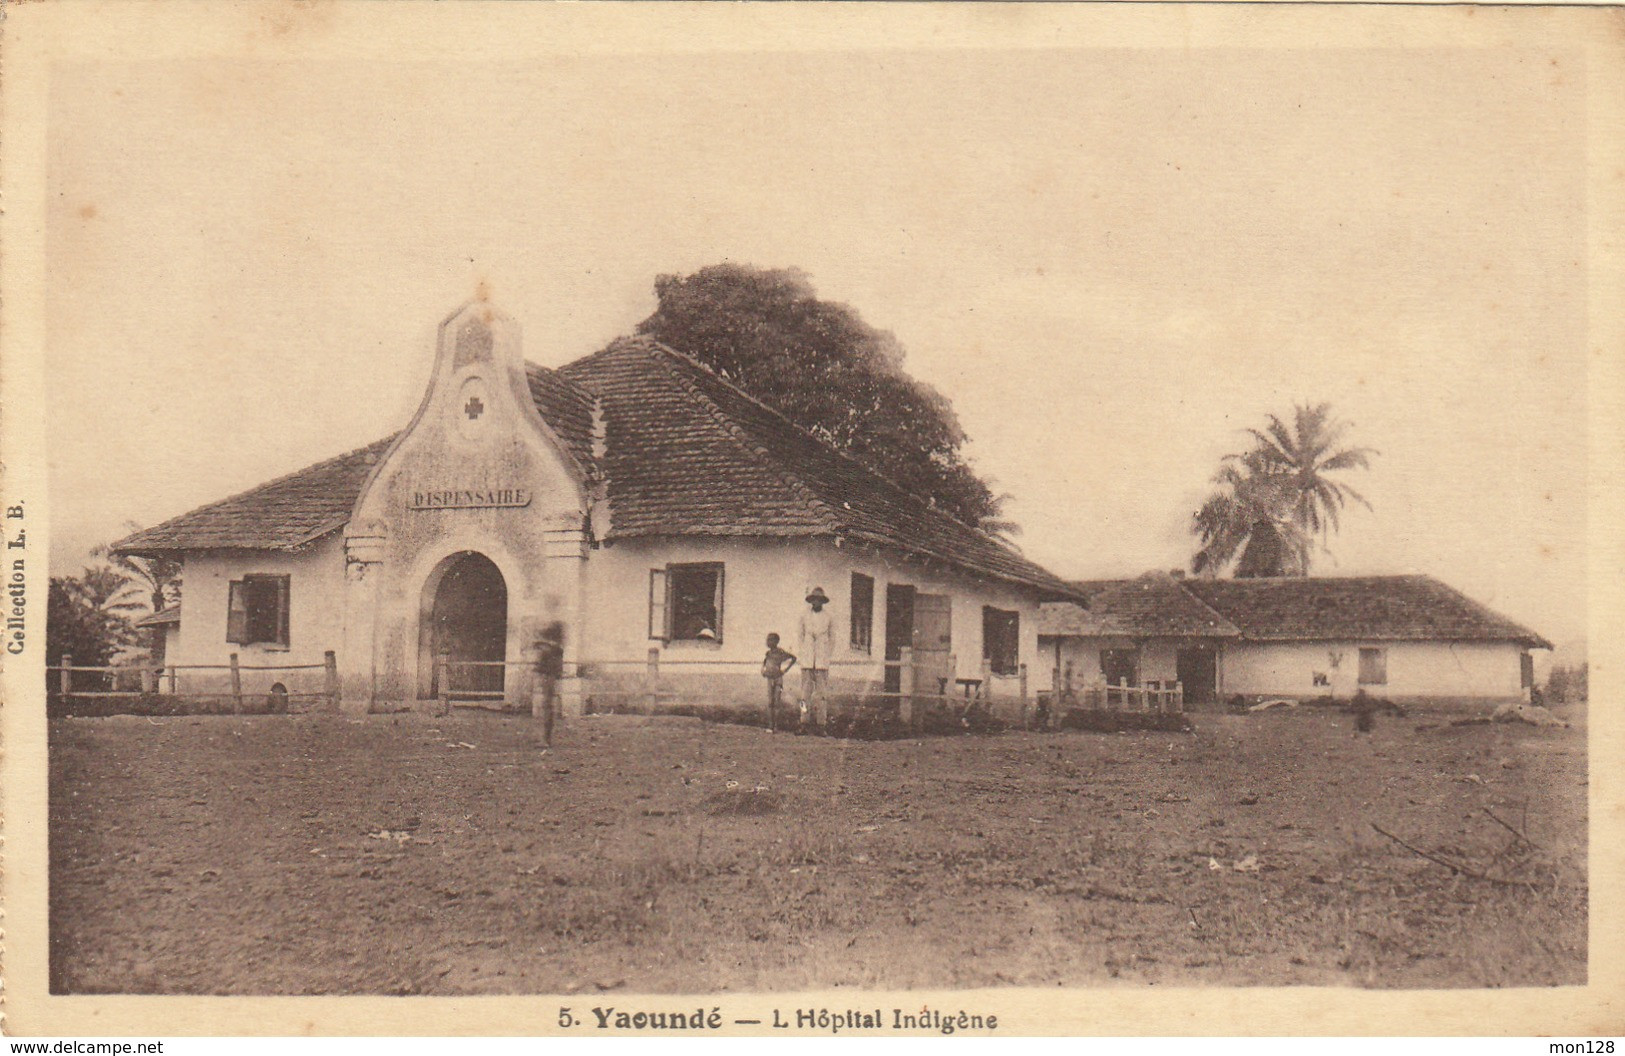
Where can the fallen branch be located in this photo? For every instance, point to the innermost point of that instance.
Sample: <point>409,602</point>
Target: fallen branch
<point>1454,867</point>
<point>1508,826</point>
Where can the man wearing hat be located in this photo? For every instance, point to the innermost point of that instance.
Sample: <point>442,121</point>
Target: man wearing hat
<point>817,645</point>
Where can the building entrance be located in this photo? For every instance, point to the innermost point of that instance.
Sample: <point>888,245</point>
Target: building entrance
<point>467,620</point>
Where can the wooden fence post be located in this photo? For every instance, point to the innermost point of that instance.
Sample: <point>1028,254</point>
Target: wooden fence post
<point>905,687</point>
<point>651,680</point>
<point>331,686</point>
<point>1023,684</point>
<point>66,675</point>
<point>442,666</point>
<point>236,686</point>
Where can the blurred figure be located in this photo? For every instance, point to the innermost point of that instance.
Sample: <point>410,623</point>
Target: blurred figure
<point>549,669</point>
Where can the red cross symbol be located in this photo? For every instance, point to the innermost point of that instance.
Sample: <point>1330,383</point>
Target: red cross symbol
<point>474,408</point>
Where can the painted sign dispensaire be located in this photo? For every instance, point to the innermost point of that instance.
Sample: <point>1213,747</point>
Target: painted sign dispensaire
<point>472,499</point>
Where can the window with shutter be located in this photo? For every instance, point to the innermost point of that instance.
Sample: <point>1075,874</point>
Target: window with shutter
<point>236,613</point>
<point>1001,640</point>
<point>863,612</point>
<point>658,628</point>
<point>694,602</point>
<point>257,610</point>
<point>1373,667</point>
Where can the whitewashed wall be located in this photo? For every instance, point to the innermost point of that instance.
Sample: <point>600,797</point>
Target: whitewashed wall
<point>1416,670</point>
<point>832,567</point>
<point>315,616</point>
<point>765,584</point>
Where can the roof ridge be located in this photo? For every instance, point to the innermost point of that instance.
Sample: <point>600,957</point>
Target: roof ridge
<point>291,474</point>
<point>1183,589</point>
<point>906,494</point>
<point>738,435</point>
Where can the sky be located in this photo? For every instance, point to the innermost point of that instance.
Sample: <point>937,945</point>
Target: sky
<point>1112,261</point>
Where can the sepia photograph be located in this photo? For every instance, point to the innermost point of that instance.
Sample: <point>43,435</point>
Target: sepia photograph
<point>887,519</point>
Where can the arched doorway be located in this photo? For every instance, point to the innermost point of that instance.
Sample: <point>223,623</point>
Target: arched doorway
<point>466,619</point>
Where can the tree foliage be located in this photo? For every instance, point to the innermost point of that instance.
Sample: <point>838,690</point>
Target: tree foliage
<point>819,364</point>
<point>1569,684</point>
<point>1271,501</point>
<point>87,617</point>
<point>158,577</point>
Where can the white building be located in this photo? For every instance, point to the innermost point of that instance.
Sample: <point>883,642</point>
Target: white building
<point>1402,638</point>
<point>634,497</point>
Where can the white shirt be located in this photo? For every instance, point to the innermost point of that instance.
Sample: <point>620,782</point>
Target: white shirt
<point>817,639</point>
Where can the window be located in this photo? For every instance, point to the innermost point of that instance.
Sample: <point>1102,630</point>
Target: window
<point>1001,640</point>
<point>1526,668</point>
<point>257,611</point>
<point>685,603</point>
<point>863,611</point>
<point>1373,667</point>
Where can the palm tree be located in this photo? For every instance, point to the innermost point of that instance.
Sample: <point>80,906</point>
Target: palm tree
<point>1272,500</point>
<point>158,577</point>
<point>1304,455</point>
<point>996,524</point>
<point>1248,514</point>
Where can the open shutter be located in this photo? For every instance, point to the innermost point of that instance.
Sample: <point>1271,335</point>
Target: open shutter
<point>718,627</point>
<point>237,613</point>
<point>658,626</point>
<point>282,590</point>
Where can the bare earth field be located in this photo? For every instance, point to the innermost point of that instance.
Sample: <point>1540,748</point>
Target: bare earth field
<point>404,854</point>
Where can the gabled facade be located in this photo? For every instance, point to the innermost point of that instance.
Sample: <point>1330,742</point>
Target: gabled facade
<point>634,498</point>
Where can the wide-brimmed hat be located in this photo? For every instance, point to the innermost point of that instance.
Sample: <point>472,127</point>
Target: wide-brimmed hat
<point>817,594</point>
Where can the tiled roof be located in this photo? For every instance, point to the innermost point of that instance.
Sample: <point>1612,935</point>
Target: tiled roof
<point>1344,608</point>
<point>161,618</point>
<point>691,454</point>
<point>284,514</point>
<point>1151,606</point>
<point>566,408</point>
<point>1392,608</point>
<point>686,453</point>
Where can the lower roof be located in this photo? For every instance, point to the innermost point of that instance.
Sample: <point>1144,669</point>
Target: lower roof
<point>1285,609</point>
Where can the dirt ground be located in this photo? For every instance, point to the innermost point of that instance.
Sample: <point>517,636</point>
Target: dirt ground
<point>406,854</point>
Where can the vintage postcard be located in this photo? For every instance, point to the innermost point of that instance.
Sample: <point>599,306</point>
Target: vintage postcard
<point>870,521</point>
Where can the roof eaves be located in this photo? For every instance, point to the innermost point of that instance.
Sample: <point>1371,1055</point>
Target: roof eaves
<point>131,544</point>
<point>1525,635</point>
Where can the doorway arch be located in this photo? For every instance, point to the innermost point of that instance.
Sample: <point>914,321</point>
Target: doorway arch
<point>465,616</point>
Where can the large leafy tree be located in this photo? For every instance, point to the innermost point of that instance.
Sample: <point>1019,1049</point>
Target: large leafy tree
<point>1271,501</point>
<point>819,364</point>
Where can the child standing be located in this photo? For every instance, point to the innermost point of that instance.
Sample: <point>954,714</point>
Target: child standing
<point>774,665</point>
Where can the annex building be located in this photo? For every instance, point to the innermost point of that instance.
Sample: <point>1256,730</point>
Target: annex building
<point>654,511</point>
<point>1402,638</point>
